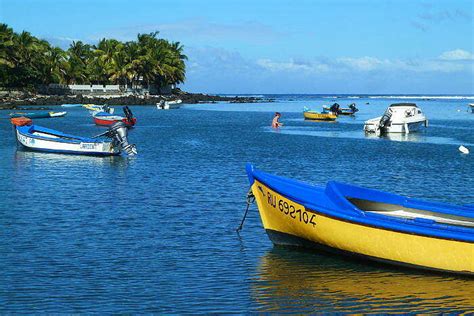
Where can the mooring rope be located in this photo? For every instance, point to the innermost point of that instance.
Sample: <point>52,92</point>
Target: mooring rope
<point>249,200</point>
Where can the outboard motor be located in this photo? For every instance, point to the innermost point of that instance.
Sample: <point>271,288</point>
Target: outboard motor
<point>385,119</point>
<point>161,104</point>
<point>353,107</point>
<point>106,109</point>
<point>128,113</point>
<point>118,132</point>
<point>335,108</point>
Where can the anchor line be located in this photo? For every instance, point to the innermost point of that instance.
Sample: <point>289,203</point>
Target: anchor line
<point>249,199</point>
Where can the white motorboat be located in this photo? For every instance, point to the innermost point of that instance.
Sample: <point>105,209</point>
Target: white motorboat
<point>169,105</point>
<point>398,118</point>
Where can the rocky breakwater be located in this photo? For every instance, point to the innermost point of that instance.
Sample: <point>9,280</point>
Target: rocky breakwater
<point>16,99</point>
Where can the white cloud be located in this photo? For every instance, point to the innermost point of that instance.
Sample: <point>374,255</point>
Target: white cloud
<point>364,64</point>
<point>457,54</point>
<point>218,70</point>
<point>199,29</point>
<point>292,65</point>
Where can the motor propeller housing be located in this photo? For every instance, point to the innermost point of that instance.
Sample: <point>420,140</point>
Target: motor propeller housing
<point>119,132</point>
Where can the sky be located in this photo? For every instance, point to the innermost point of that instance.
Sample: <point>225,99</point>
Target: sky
<point>279,46</point>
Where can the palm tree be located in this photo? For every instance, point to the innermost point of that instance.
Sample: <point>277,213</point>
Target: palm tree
<point>6,53</point>
<point>79,55</point>
<point>55,65</point>
<point>27,60</point>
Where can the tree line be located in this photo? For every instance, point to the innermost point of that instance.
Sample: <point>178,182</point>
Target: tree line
<point>27,61</point>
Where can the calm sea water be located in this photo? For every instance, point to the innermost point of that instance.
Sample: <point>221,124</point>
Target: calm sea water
<point>156,232</point>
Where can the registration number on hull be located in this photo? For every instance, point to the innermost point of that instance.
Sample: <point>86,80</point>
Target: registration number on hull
<point>287,208</point>
<point>90,146</point>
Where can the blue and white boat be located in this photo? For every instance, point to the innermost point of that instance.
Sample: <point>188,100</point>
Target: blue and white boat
<point>366,223</point>
<point>38,138</point>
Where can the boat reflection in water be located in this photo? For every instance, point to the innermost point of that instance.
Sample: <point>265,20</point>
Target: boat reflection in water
<point>303,281</point>
<point>399,137</point>
<point>66,164</point>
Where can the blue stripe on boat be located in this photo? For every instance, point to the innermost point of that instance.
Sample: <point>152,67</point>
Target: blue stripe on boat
<point>60,151</point>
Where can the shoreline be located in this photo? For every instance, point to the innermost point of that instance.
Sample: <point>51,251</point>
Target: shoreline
<point>14,100</point>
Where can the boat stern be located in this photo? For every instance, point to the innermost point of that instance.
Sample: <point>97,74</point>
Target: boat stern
<point>372,125</point>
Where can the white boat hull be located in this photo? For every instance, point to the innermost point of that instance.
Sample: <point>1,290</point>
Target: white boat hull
<point>371,126</point>
<point>84,148</point>
<point>57,114</point>
<point>169,105</point>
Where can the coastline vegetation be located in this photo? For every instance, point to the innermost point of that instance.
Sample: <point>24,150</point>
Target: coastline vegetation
<point>27,61</point>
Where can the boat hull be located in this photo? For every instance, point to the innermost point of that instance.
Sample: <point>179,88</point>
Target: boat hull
<point>38,114</point>
<point>348,113</point>
<point>104,121</point>
<point>319,116</point>
<point>169,105</point>
<point>91,148</point>
<point>289,223</point>
<point>342,111</point>
<point>371,126</point>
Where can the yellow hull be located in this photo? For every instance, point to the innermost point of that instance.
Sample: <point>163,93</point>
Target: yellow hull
<point>290,223</point>
<point>319,116</point>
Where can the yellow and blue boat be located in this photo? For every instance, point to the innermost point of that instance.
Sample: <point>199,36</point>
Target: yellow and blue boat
<point>317,116</point>
<point>365,223</point>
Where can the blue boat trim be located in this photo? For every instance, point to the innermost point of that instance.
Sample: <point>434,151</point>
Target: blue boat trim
<point>61,151</point>
<point>288,240</point>
<point>332,203</point>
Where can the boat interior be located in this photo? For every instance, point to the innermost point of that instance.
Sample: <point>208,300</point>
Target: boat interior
<point>41,134</point>
<point>46,133</point>
<point>400,211</point>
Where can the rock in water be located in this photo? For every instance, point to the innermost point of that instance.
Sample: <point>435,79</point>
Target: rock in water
<point>463,149</point>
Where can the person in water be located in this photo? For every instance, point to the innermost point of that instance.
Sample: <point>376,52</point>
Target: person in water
<point>275,122</point>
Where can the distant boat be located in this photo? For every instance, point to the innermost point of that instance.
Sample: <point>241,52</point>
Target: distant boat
<point>169,105</point>
<point>471,105</point>
<point>94,108</point>
<point>398,118</point>
<point>33,115</point>
<point>335,108</point>
<point>365,223</point>
<point>71,105</point>
<point>38,138</point>
<point>106,119</point>
<point>317,116</point>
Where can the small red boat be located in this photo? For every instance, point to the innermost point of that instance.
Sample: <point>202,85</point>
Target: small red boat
<point>106,119</point>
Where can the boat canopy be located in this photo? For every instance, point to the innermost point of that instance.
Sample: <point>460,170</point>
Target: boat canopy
<point>403,104</point>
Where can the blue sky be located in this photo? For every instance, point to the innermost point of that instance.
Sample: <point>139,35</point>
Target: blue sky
<point>282,46</point>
